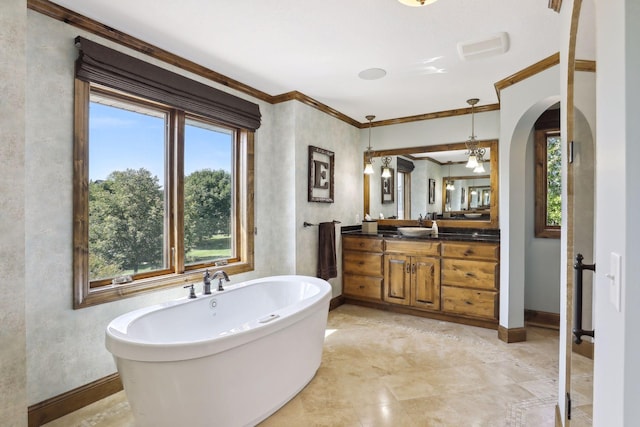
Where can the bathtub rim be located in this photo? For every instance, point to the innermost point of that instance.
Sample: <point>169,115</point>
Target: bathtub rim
<point>123,346</point>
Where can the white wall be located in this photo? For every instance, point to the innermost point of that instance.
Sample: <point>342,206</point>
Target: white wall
<point>313,127</point>
<point>521,105</point>
<point>13,393</point>
<point>542,256</point>
<point>617,350</point>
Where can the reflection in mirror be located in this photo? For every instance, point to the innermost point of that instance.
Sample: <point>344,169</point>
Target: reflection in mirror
<point>467,193</point>
<point>421,178</point>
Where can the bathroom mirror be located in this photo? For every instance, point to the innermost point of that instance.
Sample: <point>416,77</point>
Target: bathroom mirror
<point>470,202</point>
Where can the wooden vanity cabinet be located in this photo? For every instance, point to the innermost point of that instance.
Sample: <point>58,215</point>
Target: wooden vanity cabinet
<point>362,267</point>
<point>412,274</point>
<point>448,280</point>
<point>470,278</point>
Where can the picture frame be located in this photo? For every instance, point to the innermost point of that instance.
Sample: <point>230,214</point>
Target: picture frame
<point>432,191</point>
<point>462,196</point>
<point>386,188</point>
<point>321,175</point>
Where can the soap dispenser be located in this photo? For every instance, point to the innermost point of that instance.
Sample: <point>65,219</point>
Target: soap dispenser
<point>434,227</point>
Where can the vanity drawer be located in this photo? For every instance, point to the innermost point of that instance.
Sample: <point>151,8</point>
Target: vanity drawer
<point>490,251</point>
<point>362,286</point>
<point>426,247</point>
<point>352,243</point>
<point>469,273</point>
<point>366,264</point>
<point>470,302</point>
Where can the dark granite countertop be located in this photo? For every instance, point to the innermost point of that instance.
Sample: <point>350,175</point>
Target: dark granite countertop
<point>444,234</point>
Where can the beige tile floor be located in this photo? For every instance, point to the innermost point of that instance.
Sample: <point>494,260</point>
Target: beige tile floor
<point>386,369</point>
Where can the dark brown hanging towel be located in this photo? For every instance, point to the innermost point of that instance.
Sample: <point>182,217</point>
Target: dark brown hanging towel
<point>327,267</point>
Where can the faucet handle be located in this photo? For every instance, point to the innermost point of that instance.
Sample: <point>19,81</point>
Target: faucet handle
<point>192,291</point>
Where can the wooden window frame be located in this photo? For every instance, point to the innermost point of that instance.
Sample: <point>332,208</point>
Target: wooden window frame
<point>87,293</point>
<point>542,229</point>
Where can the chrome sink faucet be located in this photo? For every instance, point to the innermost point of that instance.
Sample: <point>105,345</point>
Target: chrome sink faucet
<point>220,275</point>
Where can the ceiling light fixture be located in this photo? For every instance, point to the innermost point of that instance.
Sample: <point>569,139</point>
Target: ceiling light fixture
<point>474,152</point>
<point>416,3</point>
<point>372,74</point>
<point>368,168</point>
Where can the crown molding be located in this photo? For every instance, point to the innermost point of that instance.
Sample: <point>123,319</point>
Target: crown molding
<point>430,116</point>
<point>525,73</point>
<point>555,5</point>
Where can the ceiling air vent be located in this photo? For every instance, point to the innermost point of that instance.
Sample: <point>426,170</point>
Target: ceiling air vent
<point>492,45</point>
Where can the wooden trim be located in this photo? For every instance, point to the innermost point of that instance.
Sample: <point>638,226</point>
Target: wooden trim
<point>525,73</point>
<point>336,302</point>
<point>396,308</point>
<point>542,319</point>
<point>80,198</point>
<point>585,65</point>
<point>585,348</point>
<point>512,335</point>
<point>65,403</point>
<point>555,5</point>
<point>429,116</point>
<point>301,97</point>
<point>558,417</point>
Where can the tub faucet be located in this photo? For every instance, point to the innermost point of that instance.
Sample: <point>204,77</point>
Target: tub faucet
<point>220,274</point>
<point>207,282</point>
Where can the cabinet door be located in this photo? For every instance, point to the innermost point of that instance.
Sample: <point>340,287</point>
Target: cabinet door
<point>397,279</point>
<point>425,282</point>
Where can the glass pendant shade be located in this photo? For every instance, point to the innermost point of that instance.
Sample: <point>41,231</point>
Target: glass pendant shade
<point>368,169</point>
<point>450,186</point>
<point>472,162</point>
<point>479,168</point>
<point>386,173</point>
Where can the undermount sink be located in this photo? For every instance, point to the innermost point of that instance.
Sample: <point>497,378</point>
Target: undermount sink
<point>415,231</point>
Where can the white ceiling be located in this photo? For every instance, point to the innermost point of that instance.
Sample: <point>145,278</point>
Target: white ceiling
<point>319,47</point>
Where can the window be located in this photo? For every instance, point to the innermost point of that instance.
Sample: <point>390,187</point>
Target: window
<point>163,178</point>
<point>548,185</point>
<point>164,198</point>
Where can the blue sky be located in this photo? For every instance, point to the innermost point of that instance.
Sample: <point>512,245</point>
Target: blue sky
<point>121,139</point>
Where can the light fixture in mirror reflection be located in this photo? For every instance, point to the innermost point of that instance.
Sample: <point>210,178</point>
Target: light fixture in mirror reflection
<point>461,198</point>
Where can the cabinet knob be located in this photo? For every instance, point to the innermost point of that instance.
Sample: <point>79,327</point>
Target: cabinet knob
<point>468,252</point>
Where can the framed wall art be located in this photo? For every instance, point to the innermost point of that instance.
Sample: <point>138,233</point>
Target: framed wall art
<point>386,188</point>
<point>321,169</point>
<point>432,191</point>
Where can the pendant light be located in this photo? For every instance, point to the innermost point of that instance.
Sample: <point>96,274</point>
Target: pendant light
<point>368,168</point>
<point>386,172</point>
<point>474,152</point>
<point>450,185</point>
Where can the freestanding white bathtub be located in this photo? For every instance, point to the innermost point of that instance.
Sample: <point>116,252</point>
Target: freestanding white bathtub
<point>228,359</point>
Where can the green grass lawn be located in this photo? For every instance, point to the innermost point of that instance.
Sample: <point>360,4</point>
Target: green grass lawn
<point>215,247</point>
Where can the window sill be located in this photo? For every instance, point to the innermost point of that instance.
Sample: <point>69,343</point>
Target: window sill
<point>112,293</point>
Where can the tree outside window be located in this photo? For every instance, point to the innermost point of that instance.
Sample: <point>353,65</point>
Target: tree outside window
<point>548,183</point>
